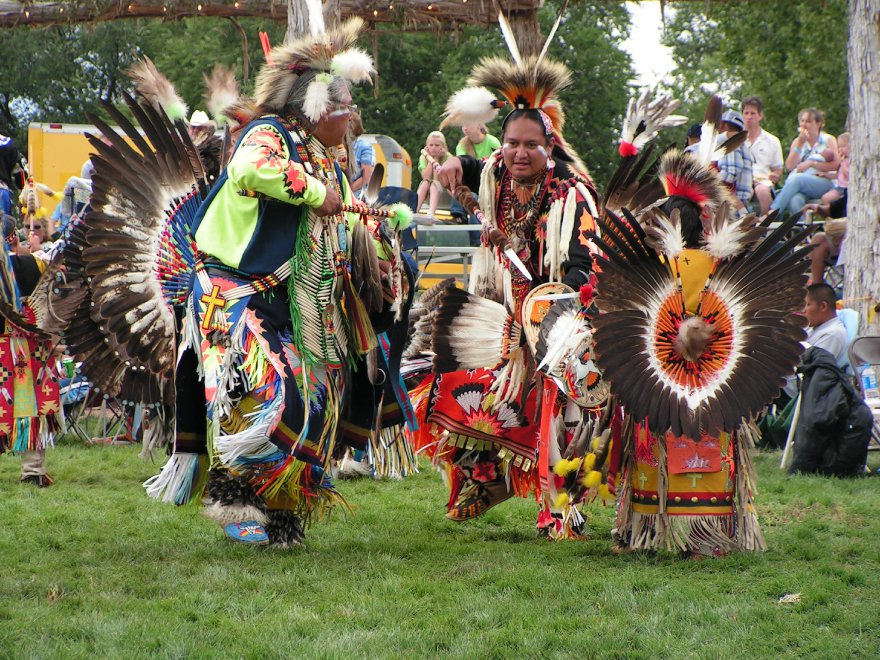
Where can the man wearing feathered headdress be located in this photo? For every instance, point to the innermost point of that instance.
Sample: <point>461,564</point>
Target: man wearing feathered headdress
<point>274,318</point>
<point>479,411</point>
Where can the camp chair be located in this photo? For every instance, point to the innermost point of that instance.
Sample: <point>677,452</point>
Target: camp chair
<point>92,416</point>
<point>864,351</point>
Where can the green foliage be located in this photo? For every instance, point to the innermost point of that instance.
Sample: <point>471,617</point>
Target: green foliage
<point>57,74</point>
<point>62,72</point>
<point>92,567</point>
<point>792,54</point>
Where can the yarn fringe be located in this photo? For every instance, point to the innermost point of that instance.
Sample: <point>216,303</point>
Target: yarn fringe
<point>177,481</point>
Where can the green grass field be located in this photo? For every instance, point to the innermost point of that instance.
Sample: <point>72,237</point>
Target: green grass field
<point>92,567</point>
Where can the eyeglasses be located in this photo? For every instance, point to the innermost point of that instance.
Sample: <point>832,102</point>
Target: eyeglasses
<point>37,227</point>
<point>343,107</point>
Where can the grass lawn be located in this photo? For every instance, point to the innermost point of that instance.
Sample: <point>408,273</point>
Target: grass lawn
<point>92,567</point>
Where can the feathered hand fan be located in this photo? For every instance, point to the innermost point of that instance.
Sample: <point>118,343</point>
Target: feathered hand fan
<point>471,332</point>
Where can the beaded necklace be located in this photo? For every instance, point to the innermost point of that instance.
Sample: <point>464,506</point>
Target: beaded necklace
<point>320,260</point>
<point>521,201</point>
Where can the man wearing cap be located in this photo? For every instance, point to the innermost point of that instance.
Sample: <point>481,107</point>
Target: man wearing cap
<point>692,140</point>
<point>735,167</point>
<point>766,152</point>
<point>202,130</point>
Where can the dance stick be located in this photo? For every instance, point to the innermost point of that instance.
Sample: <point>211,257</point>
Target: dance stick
<point>465,197</point>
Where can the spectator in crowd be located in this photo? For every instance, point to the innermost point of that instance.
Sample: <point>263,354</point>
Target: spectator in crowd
<point>363,156</point>
<point>735,167</point>
<point>692,139</point>
<point>8,162</point>
<point>834,426</point>
<point>812,153</point>
<point>201,127</point>
<point>766,153</point>
<point>5,199</point>
<point>477,142</point>
<point>832,206</point>
<point>38,234</point>
<point>825,329</point>
<point>841,176</point>
<point>435,147</point>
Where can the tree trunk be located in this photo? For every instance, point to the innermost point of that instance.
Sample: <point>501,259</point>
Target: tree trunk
<point>862,249</point>
<point>526,30</point>
<point>298,17</point>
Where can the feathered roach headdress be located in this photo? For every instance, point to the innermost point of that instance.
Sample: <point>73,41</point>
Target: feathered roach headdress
<point>314,61</point>
<point>683,175</point>
<point>529,83</point>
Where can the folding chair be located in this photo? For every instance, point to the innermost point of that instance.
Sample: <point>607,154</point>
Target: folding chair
<point>94,417</point>
<point>862,352</point>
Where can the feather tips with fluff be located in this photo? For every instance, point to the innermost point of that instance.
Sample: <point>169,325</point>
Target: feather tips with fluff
<point>276,80</point>
<point>221,92</point>
<point>353,64</point>
<point>471,105</point>
<point>157,89</point>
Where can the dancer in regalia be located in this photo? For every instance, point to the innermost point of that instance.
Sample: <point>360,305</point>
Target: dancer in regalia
<point>283,293</point>
<point>30,408</point>
<point>480,412</point>
<point>697,331</point>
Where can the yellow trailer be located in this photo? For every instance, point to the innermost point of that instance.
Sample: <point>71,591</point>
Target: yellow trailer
<point>57,152</point>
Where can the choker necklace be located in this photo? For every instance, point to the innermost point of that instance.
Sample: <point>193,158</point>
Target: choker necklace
<point>521,200</point>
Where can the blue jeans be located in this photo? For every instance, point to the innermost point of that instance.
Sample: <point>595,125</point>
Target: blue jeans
<point>800,187</point>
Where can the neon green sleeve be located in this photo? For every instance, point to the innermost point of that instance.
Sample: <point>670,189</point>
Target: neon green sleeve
<point>261,164</point>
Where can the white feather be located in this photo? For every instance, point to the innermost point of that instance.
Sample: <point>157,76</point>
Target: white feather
<point>509,39</point>
<point>552,33</point>
<point>562,338</point>
<point>672,240</point>
<point>706,148</point>
<point>645,118</point>
<point>727,240</point>
<point>471,105</point>
<point>317,100</point>
<point>353,64</point>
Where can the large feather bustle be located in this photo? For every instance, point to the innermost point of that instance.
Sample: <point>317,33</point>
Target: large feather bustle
<point>123,332</point>
<point>221,92</point>
<point>645,117</point>
<point>288,61</point>
<point>758,292</point>
<point>151,84</point>
<point>531,85</point>
<point>683,175</point>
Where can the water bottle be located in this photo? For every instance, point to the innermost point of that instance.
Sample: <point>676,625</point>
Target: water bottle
<point>869,382</point>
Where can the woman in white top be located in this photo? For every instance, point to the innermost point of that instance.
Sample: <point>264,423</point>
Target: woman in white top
<point>812,152</point>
